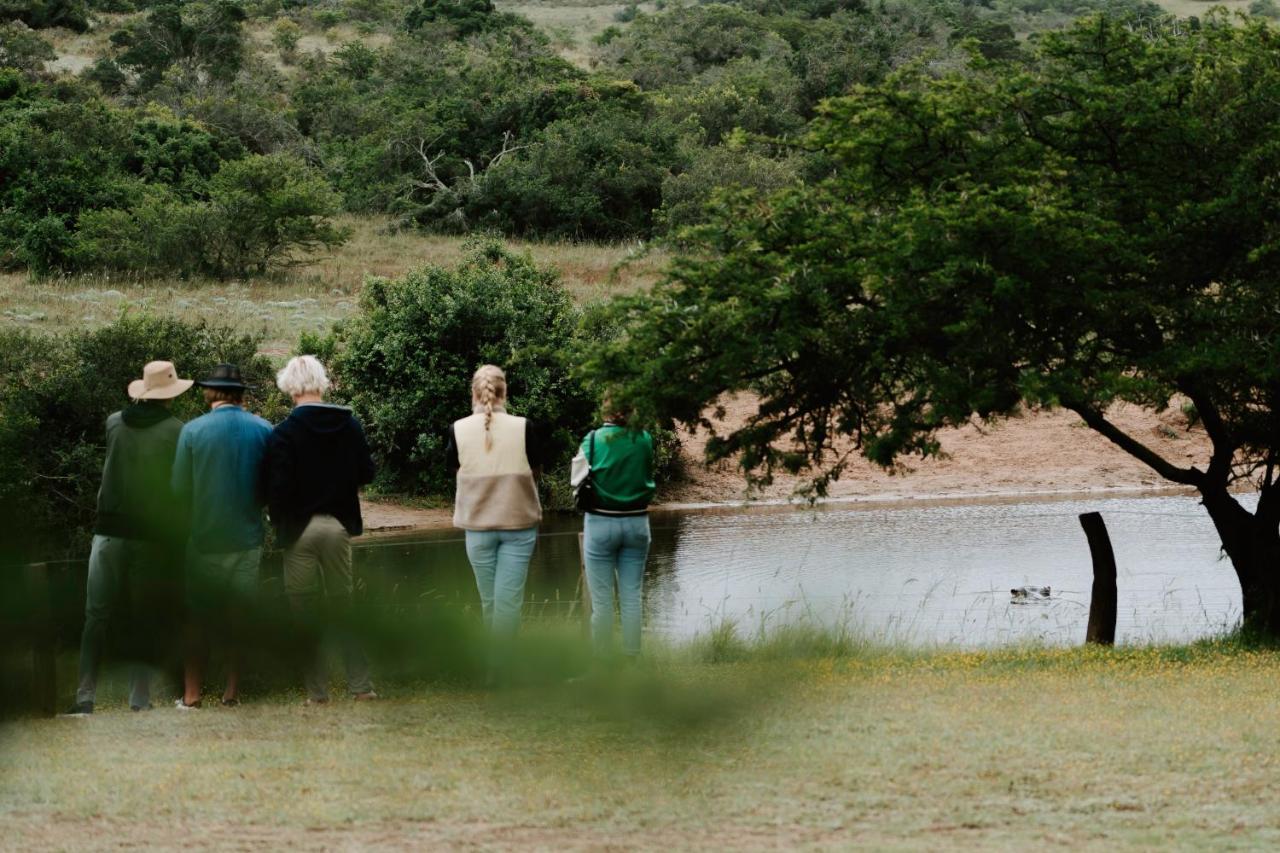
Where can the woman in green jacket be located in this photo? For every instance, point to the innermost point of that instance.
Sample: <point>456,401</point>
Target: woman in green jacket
<point>616,528</point>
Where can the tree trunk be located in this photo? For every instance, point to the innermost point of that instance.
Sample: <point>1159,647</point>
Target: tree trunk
<point>1252,543</point>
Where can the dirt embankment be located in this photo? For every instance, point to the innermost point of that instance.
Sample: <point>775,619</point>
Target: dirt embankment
<point>1041,452</point>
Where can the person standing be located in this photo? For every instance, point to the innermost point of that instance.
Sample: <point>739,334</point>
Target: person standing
<point>495,456</point>
<point>615,528</point>
<point>137,535</point>
<point>218,473</point>
<point>317,460</point>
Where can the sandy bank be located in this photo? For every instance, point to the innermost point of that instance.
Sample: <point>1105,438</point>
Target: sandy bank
<point>1043,453</point>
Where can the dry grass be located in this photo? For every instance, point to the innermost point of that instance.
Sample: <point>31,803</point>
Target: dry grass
<point>1187,8</point>
<point>309,298</point>
<point>572,25</point>
<point>1135,749</point>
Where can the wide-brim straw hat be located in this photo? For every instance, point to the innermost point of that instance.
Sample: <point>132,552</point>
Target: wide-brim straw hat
<point>159,382</point>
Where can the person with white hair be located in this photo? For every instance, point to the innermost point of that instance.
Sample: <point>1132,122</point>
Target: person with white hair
<point>317,460</point>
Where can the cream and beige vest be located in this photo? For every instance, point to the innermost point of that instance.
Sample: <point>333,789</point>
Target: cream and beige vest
<point>496,490</point>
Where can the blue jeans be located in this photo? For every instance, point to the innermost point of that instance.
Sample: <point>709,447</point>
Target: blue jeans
<point>615,546</point>
<point>500,560</point>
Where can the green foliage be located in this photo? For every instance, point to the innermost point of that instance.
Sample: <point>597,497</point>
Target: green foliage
<point>405,362</point>
<point>1097,229</point>
<point>756,96</point>
<point>596,176</point>
<point>22,49</point>
<point>686,196</point>
<point>1265,9</point>
<point>968,256</point>
<point>667,49</point>
<point>109,77</point>
<point>462,17</point>
<point>263,210</point>
<point>56,393</point>
<point>194,38</point>
<point>43,14</point>
<point>259,213</point>
<point>285,36</point>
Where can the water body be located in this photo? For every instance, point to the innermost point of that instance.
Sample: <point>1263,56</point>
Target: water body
<point>921,573</point>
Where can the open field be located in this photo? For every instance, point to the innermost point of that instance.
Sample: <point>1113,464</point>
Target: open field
<point>311,297</point>
<point>1093,749</point>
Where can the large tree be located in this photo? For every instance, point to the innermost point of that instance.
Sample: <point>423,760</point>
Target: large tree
<point>1097,226</point>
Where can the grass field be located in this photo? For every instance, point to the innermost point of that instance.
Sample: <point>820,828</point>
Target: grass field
<point>309,297</point>
<point>1092,749</point>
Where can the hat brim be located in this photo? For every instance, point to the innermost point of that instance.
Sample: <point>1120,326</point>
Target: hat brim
<point>222,384</point>
<point>138,390</point>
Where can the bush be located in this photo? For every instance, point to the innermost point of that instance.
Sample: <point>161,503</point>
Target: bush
<point>23,49</point>
<point>55,395</point>
<point>285,37</point>
<point>1265,9</point>
<point>261,211</point>
<point>42,14</point>
<point>463,17</point>
<point>405,362</point>
<point>599,176</point>
<point>109,77</point>
<point>686,196</point>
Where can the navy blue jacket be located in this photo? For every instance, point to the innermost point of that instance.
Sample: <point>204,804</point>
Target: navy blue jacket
<point>317,460</point>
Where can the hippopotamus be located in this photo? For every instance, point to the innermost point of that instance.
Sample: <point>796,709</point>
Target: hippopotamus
<point>1030,592</point>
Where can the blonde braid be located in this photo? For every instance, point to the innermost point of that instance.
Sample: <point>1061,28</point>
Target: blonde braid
<point>488,388</point>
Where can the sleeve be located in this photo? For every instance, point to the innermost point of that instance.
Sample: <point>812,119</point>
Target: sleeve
<point>367,468</point>
<point>579,469</point>
<point>451,452</point>
<point>279,477</point>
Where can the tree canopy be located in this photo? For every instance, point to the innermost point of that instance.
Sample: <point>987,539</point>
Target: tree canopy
<point>1097,227</point>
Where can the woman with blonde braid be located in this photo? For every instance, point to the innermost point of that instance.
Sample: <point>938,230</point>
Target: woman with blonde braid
<point>496,457</point>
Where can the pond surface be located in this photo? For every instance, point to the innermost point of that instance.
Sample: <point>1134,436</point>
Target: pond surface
<point>921,573</point>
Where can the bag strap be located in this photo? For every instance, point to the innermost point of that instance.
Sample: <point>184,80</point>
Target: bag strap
<point>591,450</point>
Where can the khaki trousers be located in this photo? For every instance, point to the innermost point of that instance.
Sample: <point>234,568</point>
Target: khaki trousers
<point>317,579</point>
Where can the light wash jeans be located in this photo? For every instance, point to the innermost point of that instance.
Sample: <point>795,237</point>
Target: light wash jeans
<point>615,546</point>
<point>500,560</point>
<point>121,589</point>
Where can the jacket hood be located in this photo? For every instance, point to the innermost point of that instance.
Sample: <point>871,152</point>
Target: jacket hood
<point>321,417</point>
<point>145,414</point>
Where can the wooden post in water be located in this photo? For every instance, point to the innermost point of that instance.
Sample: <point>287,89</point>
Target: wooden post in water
<point>1102,604</point>
<point>44,673</point>
<point>582,585</point>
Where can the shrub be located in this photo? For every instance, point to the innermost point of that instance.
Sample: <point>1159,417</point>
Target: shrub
<point>1264,9</point>
<point>599,176</point>
<point>207,36</point>
<point>23,49</point>
<point>685,196</point>
<point>263,210</point>
<point>107,75</point>
<point>405,361</point>
<point>55,395</point>
<point>464,17</point>
<point>285,37</point>
<point>42,14</point>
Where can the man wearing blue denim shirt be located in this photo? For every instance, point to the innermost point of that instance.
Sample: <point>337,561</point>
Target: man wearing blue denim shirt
<point>218,473</point>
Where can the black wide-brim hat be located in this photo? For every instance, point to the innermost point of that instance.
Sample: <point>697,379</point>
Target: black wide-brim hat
<point>225,377</point>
